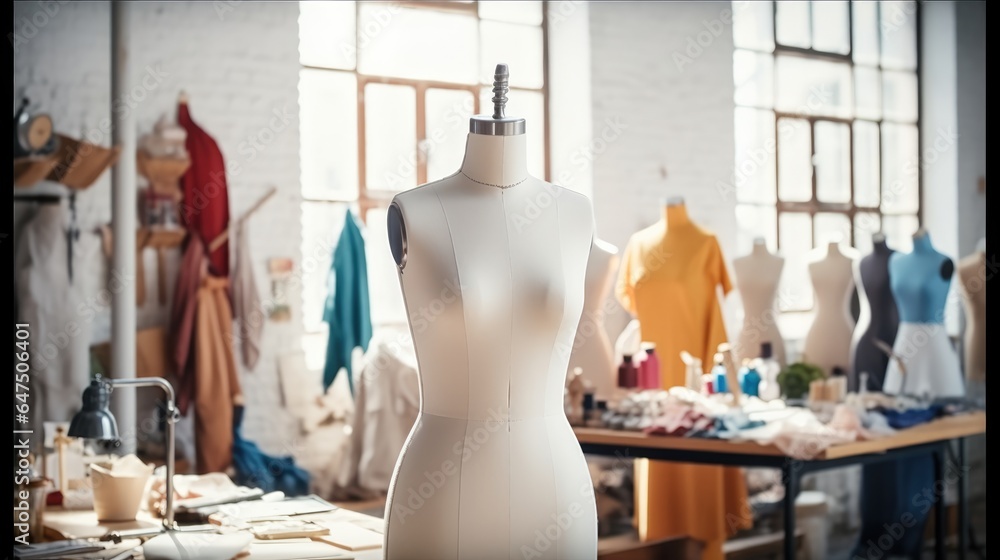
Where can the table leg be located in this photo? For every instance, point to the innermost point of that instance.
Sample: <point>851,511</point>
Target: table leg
<point>940,512</point>
<point>963,501</point>
<point>790,478</point>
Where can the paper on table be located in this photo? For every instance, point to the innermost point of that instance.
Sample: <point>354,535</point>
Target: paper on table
<point>294,549</point>
<point>348,535</point>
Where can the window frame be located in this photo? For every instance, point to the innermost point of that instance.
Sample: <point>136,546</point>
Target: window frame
<point>375,198</point>
<point>814,205</point>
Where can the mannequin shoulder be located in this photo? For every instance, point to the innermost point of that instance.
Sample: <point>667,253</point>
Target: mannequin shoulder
<point>573,206</point>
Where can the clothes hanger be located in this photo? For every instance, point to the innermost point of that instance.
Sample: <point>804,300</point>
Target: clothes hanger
<point>224,236</point>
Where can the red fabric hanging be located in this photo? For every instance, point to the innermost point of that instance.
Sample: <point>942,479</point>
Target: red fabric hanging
<point>205,208</point>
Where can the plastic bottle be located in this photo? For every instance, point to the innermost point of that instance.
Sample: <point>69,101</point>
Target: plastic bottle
<point>719,373</point>
<point>649,377</point>
<point>744,368</point>
<point>627,373</point>
<point>768,368</point>
<point>750,381</point>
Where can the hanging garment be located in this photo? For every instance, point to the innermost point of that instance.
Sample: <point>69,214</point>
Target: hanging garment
<point>669,276</point>
<point>58,320</point>
<point>217,384</point>
<point>246,300</point>
<point>205,207</point>
<point>346,310</point>
<point>386,404</point>
<point>182,319</point>
<point>256,469</point>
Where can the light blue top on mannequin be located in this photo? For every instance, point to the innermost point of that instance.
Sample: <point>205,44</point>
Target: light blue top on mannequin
<point>920,282</point>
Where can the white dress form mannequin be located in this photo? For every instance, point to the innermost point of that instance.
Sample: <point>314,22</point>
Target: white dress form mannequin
<point>972,278</point>
<point>757,278</point>
<point>828,343</point>
<point>491,262</point>
<point>591,349</point>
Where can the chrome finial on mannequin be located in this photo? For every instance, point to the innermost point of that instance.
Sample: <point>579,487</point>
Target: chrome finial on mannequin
<point>500,90</point>
<point>498,124</point>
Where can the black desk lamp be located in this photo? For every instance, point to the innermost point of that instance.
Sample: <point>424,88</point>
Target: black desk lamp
<point>95,421</point>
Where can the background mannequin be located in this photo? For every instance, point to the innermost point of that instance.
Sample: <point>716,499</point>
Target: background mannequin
<point>669,278</point>
<point>879,318</point>
<point>920,282</point>
<point>757,278</point>
<point>828,343</point>
<point>592,349</point>
<point>972,277</point>
<point>494,300</point>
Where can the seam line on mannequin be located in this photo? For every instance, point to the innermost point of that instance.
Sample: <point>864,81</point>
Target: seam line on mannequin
<point>494,185</point>
<point>468,366</point>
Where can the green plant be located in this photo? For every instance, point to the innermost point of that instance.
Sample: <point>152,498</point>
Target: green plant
<point>794,380</point>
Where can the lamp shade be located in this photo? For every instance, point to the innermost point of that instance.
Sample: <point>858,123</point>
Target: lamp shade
<point>95,421</point>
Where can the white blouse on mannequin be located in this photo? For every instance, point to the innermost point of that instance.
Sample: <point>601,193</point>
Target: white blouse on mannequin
<point>757,277</point>
<point>828,343</point>
<point>492,264</point>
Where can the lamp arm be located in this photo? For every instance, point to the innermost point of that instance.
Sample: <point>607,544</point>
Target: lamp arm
<point>168,517</point>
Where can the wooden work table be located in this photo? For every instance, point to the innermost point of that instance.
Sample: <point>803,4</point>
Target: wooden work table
<point>932,438</point>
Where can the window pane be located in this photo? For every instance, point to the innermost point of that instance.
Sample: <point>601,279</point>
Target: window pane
<point>899,231</point>
<point>813,87</point>
<point>830,27</point>
<point>866,224</point>
<point>899,94</point>
<point>328,130</point>
<point>831,227</point>
<point>795,242</point>
<point>390,137</point>
<point>754,221</point>
<point>321,225</point>
<point>529,13</point>
<point>866,164</point>
<point>867,93</point>
<point>792,20</point>
<point>899,34</point>
<point>865,16</point>
<point>530,106</point>
<point>754,173</point>
<point>518,46</point>
<point>794,160</point>
<point>900,169</point>
<point>396,41</point>
<point>753,25</point>
<point>383,283</point>
<point>753,74</point>
<point>448,112</point>
<point>327,34</point>
<point>833,162</point>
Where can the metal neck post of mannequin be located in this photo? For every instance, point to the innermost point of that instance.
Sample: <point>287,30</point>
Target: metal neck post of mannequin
<point>498,124</point>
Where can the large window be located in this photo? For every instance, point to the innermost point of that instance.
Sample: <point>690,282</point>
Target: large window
<point>385,94</point>
<point>826,128</point>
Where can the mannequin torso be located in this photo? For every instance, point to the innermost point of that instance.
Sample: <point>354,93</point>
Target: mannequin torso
<point>591,348</point>
<point>492,265</point>
<point>920,281</point>
<point>757,278</point>
<point>972,276</point>
<point>828,343</point>
<point>879,319</point>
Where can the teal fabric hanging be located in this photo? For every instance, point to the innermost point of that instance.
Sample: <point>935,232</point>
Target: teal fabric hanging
<point>347,309</point>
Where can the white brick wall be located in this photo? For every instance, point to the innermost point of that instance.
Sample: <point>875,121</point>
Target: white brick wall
<point>676,106</point>
<point>239,64</point>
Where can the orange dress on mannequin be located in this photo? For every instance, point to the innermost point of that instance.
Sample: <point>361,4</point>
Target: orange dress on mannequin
<point>668,281</point>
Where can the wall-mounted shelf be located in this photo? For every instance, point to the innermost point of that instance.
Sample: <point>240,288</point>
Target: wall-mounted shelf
<point>76,164</point>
